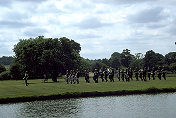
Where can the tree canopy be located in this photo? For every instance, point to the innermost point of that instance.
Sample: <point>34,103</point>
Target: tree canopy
<point>42,55</point>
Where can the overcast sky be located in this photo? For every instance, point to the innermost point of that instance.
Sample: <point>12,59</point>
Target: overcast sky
<point>100,26</point>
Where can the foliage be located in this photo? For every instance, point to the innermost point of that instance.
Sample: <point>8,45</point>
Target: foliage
<point>5,75</point>
<point>84,65</point>
<point>153,59</point>
<point>41,55</point>
<point>2,68</point>
<point>170,58</point>
<point>115,60</point>
<point>5,60</point>
<point>15,71</point>
<point>126,57</point>
<point>173,66</point>
<point>98,65</point>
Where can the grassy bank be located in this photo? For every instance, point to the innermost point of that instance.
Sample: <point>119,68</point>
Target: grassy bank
<point>15,91</point>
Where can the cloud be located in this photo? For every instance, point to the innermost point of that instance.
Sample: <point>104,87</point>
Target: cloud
<point>14,24</point>
<point>7,3</point>
<point>34,32</point>
<point>92,23</point>
<point>148,16</point>
<point>117,2</point>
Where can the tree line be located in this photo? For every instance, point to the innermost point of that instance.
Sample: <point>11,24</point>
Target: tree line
<point>126,59</point>
<point>51,57</point>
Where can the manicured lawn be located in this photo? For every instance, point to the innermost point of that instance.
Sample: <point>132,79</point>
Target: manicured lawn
<point>16,89</point>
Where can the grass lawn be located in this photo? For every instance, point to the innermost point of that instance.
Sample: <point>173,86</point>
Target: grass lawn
<point>17,88</point>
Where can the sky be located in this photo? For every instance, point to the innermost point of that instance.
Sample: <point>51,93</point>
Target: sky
<point>100,26</point>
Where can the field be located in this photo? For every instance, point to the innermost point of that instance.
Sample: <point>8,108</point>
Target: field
<point>13,89</point>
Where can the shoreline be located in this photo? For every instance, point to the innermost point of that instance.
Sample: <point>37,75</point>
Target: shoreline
<point>86,94</point>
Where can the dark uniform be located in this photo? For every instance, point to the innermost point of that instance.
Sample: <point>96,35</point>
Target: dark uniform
<point>87,76</point>
<point>140,74</point>
<point>145,74</point>
<point>130,73</point>
<point>77,76</point>
<point>127,75</point>
<point>95,77</point>
<point>159,73</point>
<point>118,74</point>
<point>106,74</point>
<point>26,76</point>
<point>136,74</point>
<point>148,73</point>
<point>123,75</point>
<point>101,75</point>
<point>111,75</point>
<point>67,76</point>
<point>164,74</point>
<point>153,73</point>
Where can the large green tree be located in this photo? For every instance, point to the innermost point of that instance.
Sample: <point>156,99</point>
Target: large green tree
<point>170,58</point>
<point>115,60</point>
<point>153,59</point>
<point>126,57</point>
<point>52,56</point>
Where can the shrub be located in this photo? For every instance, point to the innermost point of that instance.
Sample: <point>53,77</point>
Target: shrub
<point>5,75</point>
<point>15,71</point>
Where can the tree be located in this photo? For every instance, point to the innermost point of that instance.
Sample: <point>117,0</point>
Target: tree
<point>105,61</point>
<point>6,60</point>
<point>115,62</point>
<point>2,68</point>
<point>41,55</point>
<point>153,59</point>
<point>170,58</point>
<point>15,71</point>
<point>126,58</point>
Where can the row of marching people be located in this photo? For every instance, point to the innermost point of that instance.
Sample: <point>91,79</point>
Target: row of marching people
<point>127,74</point>
<point>150,73</point>
<point>72,76</point>
<point>102,74</point>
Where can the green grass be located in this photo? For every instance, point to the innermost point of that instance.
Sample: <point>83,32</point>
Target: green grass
<point>17,88</point>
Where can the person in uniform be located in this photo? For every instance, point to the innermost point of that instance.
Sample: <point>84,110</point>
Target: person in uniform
<point>159,73</point>
<point>101,75</point>
<point>153,73</point>
<point>140,74</point>
<point>26,76</point>
<point>112,75</point>
<point>67,75</point>
<point>106,74</point>
<point>148,73</point>
<point>118,74</point>
<point>77,75</point>
<point>130,73</point>
<point>127,75</point>
<point>87,76</point>
<point>145,74</point>
<point>95,77</point>
<point>123,75</point>
<point>164,73</point>
<point>136,73</point>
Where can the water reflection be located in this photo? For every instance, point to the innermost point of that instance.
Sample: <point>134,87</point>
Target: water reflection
<point>133,106</point>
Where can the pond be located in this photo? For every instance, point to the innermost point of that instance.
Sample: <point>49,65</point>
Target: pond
<point>129,106</point>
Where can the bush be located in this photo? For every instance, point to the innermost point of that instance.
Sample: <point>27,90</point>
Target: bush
<point>5,75</point>
<point>15,71</point>
<point>2,68</point>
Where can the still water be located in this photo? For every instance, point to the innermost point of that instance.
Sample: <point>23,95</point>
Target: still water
<point>131,106</point>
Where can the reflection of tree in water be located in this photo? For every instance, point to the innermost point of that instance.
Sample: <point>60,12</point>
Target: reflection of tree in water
<point>53,108</point>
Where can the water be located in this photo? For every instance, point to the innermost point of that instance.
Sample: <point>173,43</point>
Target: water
<point>131,106</point>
